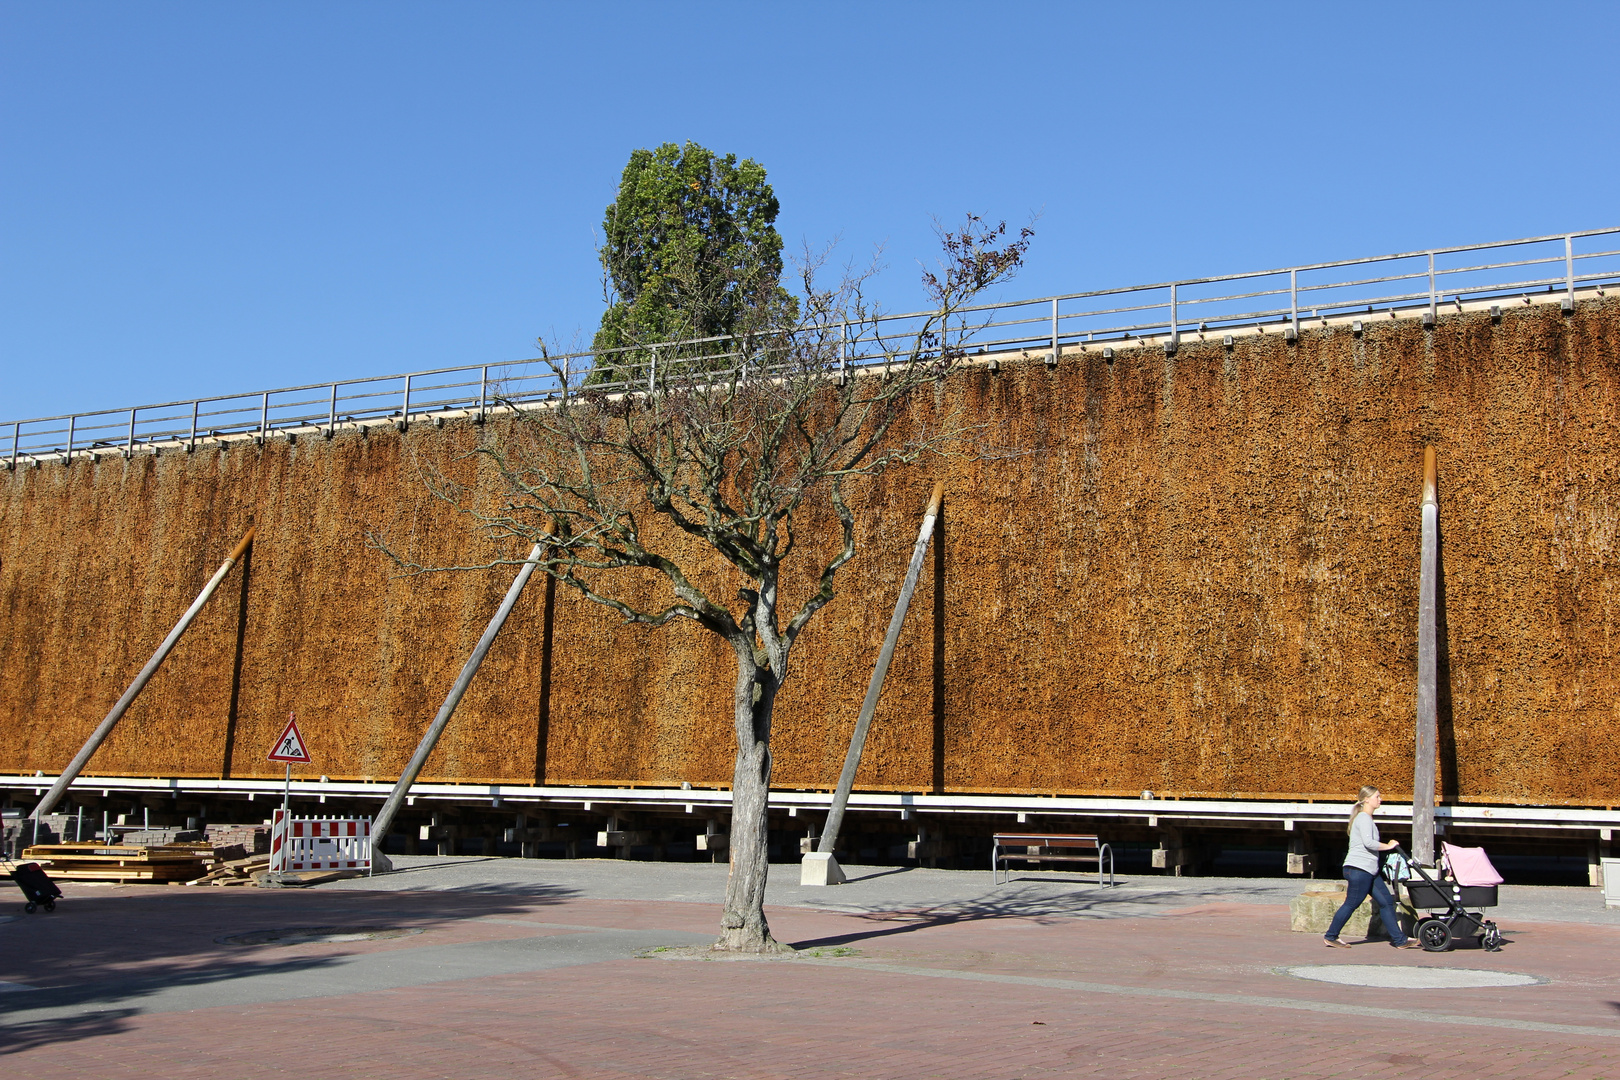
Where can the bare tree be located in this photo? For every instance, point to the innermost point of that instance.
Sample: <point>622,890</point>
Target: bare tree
<point>729,455</point>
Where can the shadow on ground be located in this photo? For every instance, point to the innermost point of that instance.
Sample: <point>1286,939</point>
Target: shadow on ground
<point>1039,904</point>
<point>37,1033</point>
<point>96,950</point>
<point>112,987</point>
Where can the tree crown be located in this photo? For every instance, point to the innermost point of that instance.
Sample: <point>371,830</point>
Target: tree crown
<point>690,251</point>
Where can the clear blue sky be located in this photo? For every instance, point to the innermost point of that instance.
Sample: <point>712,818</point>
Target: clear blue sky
<point>203,198</point>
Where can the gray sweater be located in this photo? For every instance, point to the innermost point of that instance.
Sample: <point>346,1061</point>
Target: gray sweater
<point>1363,853</point>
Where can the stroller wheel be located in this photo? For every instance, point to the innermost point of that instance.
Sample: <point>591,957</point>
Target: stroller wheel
<point>29,907</point>
<point>1493,938</point>
<point>50,905</point>
<point>1434,935</point>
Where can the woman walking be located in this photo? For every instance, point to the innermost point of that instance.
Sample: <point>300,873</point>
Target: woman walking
<point>1361,871</point>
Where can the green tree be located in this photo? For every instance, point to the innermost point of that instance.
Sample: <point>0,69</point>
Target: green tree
<point>690,252</point>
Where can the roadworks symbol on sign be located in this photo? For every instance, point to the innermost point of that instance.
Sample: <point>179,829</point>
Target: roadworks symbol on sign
<point>290,746</point>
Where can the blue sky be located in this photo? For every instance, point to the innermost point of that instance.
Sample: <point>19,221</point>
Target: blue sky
<point>204,198</point>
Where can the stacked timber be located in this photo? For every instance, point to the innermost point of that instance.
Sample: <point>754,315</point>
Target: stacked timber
<point>235,871</point>
<point>122,862</point>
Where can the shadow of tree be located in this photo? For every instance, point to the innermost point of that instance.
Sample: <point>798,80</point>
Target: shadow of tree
<point>33,1034</point>
<point>1039,905</point>
<point>140,983</point>
<point>116,950</point>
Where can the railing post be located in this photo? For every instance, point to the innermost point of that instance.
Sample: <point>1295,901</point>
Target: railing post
<point>191,442</point>
<point>652,370</point>
<point>16,441</point>
<point>1054,330</point>
<point>483,391</point>
<point>1293,301</point>
<point>405,410</point>
<point>264,417</point>
<point>72,423</point>
<point>843,352</point>
<point>129,443</point>
<point>1175,330</point>
<point>1434,301</point>
<point>331,416</point>
<point>1569,269</point>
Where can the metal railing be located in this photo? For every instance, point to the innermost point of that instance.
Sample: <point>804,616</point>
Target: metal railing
<point>1416,282</point>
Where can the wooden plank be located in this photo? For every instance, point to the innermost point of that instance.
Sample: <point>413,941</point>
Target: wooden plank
<point>1045,839</point>
<point>119,860</point>
<point>113,875</point>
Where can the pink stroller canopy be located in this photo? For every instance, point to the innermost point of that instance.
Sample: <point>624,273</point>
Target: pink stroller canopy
<point>1469,866</point>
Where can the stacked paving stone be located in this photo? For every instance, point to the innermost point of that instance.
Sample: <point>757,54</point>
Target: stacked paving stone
<point>253,839</point>
<point>158,837</point>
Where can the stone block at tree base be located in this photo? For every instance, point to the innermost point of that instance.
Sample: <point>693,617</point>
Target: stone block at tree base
<point>820,868</point>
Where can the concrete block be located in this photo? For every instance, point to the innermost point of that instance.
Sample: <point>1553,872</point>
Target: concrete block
<point>1610,873</point>
<point>1312,910</point>
<point>820,868</point>
<point>1169,858</point>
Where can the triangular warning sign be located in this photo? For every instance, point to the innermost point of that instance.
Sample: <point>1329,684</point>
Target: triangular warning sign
<point>290,746</point>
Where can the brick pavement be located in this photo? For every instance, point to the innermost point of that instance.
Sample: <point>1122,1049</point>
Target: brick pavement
<point>1194,993</point>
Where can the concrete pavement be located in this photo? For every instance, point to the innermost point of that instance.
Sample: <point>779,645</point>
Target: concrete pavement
<point>548,968</point>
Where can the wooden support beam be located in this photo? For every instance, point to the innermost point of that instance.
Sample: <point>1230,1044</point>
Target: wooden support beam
<point>874,690</point>
<point>396,798</point>
<point>97,737</point>
<point>1428,691</point>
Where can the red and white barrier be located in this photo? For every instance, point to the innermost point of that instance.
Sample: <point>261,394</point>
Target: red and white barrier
<point>319,843</point>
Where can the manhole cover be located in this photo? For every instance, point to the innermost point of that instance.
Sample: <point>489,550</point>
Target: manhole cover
<point>1400,977</point>
<point>317,935</point>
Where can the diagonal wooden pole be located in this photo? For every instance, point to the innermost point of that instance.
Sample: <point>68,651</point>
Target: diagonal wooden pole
<point>396,798</point>
<point>1428,727</point>
<point>97,737</point>
<point>874,690</point>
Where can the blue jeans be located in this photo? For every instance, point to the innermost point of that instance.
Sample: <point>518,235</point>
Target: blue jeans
<point>1361,883</point>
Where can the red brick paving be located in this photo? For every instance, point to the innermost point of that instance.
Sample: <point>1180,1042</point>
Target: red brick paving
<point>694,1019</point>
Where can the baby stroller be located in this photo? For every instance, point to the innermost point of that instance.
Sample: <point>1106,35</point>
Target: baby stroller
<point>1469,881</point>
<point>36,885</point>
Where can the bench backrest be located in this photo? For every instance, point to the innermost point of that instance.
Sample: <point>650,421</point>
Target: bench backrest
<point>1051,840</point>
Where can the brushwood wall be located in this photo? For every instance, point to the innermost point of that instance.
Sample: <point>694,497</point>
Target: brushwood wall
<point>1195,574</point>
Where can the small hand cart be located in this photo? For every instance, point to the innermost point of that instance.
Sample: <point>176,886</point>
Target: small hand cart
<point>1440,932</point>
<point>36,885</point>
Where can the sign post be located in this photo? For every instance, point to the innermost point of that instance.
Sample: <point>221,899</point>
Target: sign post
<point>290,747</point>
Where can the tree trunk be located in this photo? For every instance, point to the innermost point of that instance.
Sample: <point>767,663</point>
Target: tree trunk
<point>742,925</point>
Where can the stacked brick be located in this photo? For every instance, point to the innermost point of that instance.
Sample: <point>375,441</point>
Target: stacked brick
<point>252,839</point>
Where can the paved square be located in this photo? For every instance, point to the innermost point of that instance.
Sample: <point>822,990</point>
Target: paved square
<point>472,968</point>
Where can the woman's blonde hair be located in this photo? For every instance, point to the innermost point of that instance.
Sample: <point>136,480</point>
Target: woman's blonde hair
<point>1367,792</point>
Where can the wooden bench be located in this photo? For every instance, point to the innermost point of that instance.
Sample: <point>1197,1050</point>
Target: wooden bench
<point>1044,848</point>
